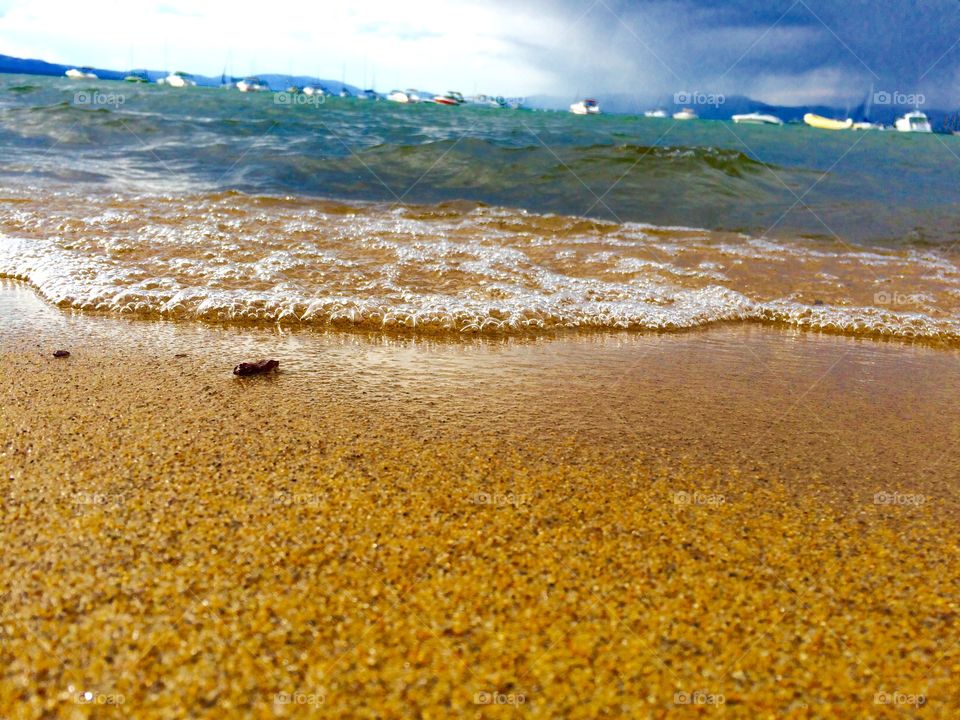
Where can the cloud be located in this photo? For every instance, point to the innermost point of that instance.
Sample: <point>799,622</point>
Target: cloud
<point>777,49</point>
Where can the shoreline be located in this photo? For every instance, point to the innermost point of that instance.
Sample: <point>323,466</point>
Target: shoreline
<point>619,524</point>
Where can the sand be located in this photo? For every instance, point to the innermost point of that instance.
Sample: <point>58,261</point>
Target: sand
<point>745,520</point>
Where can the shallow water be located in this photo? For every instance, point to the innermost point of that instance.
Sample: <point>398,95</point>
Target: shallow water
<point>219,206</point>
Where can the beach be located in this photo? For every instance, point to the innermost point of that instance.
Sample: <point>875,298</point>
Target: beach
<point>571,418</point>
<point>747,519</point>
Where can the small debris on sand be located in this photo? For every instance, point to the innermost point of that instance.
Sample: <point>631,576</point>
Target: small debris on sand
<point>256,368</point>
<point>180,355</point>
<point>61,353</point>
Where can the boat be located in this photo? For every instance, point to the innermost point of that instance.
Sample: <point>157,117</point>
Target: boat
<point>914,121</point>
<point>823,123</point>
<point>756,118</point>
<point>451,97</point>
<point>586,107</point>
<point>178,80</point>
<point>344,93</point>
<point>656,114</point>
<point>686,114</point>
<point>252,84</point>
<point>314,90</point>
<point>137,76</point>
<point>398,96</point>
<point>369,94</point>
<point>487,101</point>
<point>413,95</point>
<point>866,125</point>
<point>81,74</point>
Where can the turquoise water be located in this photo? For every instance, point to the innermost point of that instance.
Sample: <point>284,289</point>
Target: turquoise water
<point>868,188</point>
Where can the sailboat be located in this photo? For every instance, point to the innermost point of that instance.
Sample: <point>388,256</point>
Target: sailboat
<point>252,84</point>
<point>586,107</point>
<point>866,123</point>
<point>178,79</point>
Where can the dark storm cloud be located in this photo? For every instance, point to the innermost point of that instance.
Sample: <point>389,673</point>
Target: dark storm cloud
<point>780,48</point>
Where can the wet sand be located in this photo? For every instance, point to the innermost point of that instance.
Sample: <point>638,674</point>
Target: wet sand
<point>741,520</point>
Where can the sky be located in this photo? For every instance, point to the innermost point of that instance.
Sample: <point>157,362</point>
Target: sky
<point>785,52</point>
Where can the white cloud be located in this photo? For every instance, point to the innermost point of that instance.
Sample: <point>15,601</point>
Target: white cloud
<point>433,44</point>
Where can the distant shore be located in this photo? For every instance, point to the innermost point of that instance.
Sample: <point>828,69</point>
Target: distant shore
<point>616,525</point>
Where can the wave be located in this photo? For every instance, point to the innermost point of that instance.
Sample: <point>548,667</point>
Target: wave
<point>454,268</point>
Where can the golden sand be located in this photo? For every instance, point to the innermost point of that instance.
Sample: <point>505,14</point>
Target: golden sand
<point>744,522</point>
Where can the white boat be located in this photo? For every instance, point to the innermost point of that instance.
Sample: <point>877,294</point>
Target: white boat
<point>81,74</point>
<point>178,80</point>
<point>252,84</point>
<point>656,114</point>
<point>755,118</point>
<point>404,96</point>
<point>686,114</point>
<point>866,125</point>
<point>585,107</point>
<point>915,121</point>
<point>314,90</point>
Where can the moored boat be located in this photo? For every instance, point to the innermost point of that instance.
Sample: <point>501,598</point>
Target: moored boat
<point>588,106</point>
<point>914,121</point>
<point>252,84</point>
<point>451,97</point>
<point>81,74</point>
<point>178,80</point>
<point>686,114</point>
<point>823,123</point>
<point>756,118</point>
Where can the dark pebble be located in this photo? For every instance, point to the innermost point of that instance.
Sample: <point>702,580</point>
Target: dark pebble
<point>256,368</point>
<point>61,353</point>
